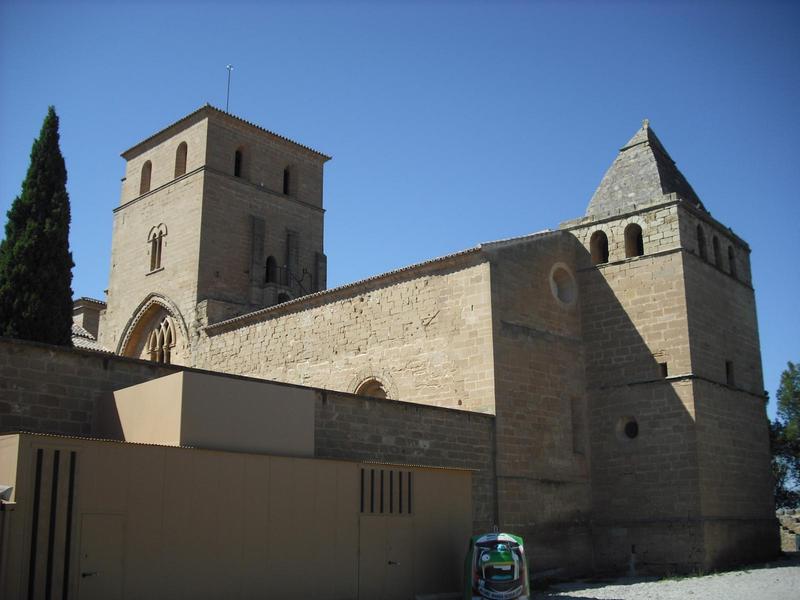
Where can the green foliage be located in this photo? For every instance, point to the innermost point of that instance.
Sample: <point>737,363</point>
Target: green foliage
<point>789,400</point>
<point>35,261</point>
<point>785,440</point>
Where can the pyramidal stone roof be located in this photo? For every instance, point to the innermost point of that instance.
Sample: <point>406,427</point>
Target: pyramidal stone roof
<point>641,174</point>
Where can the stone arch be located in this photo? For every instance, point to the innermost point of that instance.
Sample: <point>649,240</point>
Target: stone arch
<point>598,246</point>
<point>180,159</point>
<point>634,240</point>
<point>156,313</point>
<point>372,387</point>
<point>370,377</point>
<point>144,177</point>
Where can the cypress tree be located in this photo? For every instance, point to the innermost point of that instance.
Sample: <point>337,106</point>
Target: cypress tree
<point>35,261</point>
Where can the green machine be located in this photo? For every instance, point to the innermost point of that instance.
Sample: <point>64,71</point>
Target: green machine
<point>495,568</point>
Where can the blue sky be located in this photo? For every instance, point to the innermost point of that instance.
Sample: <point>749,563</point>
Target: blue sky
<point>450,123</point>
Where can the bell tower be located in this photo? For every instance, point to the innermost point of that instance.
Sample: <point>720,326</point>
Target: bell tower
<point>679,436</point>
<point>218,217</point>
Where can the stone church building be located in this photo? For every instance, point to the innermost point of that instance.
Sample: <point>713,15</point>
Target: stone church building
<point>618,354</point>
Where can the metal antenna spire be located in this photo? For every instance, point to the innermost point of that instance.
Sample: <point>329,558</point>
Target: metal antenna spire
<point>228,97</point>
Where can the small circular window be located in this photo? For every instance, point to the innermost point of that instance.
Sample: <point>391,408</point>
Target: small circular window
<point>627,429</point>
<point>563,284</point>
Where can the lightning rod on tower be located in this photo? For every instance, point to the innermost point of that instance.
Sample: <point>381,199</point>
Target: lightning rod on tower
<point>228,96</point>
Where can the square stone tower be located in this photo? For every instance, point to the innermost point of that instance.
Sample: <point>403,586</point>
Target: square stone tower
<point>679,443</point>
<point>217,217</point>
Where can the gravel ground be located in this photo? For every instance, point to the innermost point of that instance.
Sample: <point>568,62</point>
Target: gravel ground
<point>779,580</point>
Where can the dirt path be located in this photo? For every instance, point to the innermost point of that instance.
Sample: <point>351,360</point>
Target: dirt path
<point>779,580</point>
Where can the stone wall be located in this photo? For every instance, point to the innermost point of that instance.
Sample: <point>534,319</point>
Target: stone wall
<point>226,272</point>
<point>645,477</point>
<point>542,438</point>
<point>356,428</point>
<point>426,335</point>
<point>721,313</point>
<point>161,151</point>
<point>131,282</point>
<point>52,389</point>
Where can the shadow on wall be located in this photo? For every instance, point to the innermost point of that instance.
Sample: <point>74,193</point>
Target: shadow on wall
<point>648,476</point>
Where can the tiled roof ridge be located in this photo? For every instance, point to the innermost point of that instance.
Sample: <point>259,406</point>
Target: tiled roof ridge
<point>88,299</point>
<point>206,107</point>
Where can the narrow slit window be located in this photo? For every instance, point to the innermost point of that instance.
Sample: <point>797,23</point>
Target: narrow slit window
<point>362,490</point>
<point>381,501</point>
<point>717,254</point>
<point>729,376</point>
<point>287,181</point>
<point>400,492</point>
<point>731,261</point>
<point>701,242</point>
<point>663,370</point>
<point>237,163</point>
<point>272,270</point>
<point>372,490</point>
<point>410,495</point>
<point>391,491</point>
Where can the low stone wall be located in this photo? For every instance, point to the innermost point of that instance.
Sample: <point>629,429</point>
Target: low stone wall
<point>789,520</point>
<point>353,427</point>
<point>54,389</point>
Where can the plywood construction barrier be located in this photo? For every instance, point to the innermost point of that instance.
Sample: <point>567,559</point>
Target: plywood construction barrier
<point>105,519</point>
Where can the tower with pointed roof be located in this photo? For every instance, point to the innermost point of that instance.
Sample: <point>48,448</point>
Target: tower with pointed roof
<point>673,369</point>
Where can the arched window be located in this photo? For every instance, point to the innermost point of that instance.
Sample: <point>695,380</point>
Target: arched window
<point>283,297</point>
<point>599,247</point>
<point>731,261</point>
<point>371,387</point>
<point>272,270</point>
<point>144,181</point>
<point>717,255</point>
<point>180,159</point>
<point>161,341</point>
<point>237,163</point>
<point>156,242</point>
<point>701,243</point>
<point>287,181</point>
<point>634,244</point>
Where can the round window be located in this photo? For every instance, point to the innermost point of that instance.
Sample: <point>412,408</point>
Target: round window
<point>562,284</point>
<point>627,429</point>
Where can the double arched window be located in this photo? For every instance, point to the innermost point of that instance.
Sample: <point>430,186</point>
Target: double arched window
<point>599,247</point>
<point>161,341</point>
<point>155,239</point>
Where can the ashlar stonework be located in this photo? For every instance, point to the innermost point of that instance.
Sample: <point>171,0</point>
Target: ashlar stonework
<point>618,354</point>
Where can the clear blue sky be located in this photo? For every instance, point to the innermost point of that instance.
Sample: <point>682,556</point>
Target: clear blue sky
<point>450,123</point>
